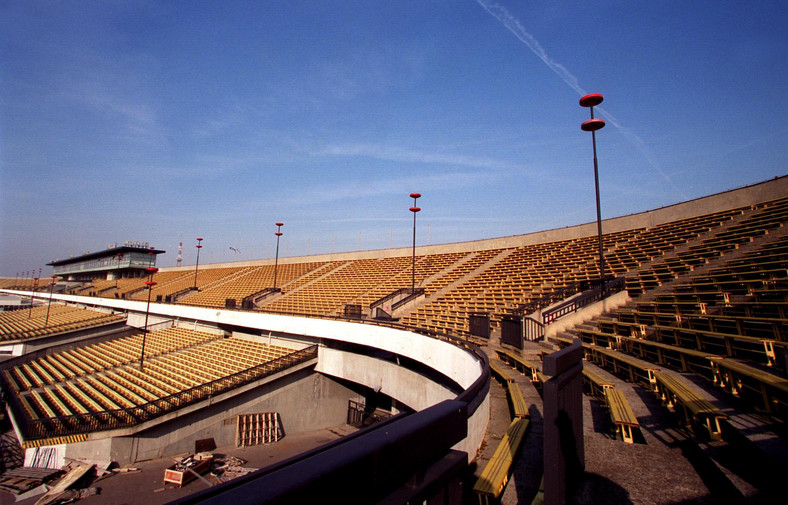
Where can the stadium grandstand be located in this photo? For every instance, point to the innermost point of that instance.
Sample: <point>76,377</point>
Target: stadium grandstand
<point>684,339</point>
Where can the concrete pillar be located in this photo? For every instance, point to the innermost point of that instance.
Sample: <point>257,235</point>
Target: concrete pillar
<point>564,456</point>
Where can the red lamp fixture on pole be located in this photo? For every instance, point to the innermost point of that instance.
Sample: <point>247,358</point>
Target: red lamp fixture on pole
<point>592,125</point>
<point>278,234</point>
<point>196,265</point>
<point>415,210</point>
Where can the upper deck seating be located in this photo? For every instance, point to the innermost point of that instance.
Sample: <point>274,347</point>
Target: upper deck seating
<point>54,391</point>
<point>48,320</point>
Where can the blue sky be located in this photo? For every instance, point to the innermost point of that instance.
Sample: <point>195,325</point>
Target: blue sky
<point>167,121</point>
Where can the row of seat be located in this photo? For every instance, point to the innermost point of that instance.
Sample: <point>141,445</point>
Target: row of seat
<point>50,319</point>
<point>755,223</point>
<point>72,363</point>
<point>492,480</point>
<point>243,284</point>
<point>696,413</point>
<point>531,272</point>
<point>131,385</point>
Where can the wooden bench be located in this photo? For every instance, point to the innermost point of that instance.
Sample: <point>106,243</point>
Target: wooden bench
<point>621,413</point>
<point>493,479</point>
<point>696,410</point>
<point>770,391</point>
<point>500,373</point>
<point>731,345</point>
<point>597,385</point>
<point>636,370</point>
<point>519,363</point>
<point>519,404</point>
<point>681,358</point>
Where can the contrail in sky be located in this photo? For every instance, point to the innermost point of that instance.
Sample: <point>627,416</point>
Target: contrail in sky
<point>500,13</point>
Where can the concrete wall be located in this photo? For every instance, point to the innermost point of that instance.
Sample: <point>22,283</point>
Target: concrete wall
<point>406,386</point>
<point>304,400</point>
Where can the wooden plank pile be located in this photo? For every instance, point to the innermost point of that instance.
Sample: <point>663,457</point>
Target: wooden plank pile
<point>20,480</point>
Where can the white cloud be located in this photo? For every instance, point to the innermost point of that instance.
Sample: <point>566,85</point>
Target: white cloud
<point>386,153</point>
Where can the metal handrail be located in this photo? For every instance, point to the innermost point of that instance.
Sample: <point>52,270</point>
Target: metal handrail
<point>588,297</point>
<point>396,293</point>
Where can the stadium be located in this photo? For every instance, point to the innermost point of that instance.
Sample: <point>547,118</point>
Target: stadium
<point>437,356</point>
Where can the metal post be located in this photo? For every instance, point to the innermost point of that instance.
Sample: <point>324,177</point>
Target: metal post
<point>150,283</point>
<point>196,265</point>
<point>278,234</point>
<point>415,210</point>
<point>51,289</point>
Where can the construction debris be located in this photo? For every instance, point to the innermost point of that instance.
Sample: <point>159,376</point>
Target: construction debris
<point>58,491</point>
<point>186,470</point>
<point>71,495</point>
<point>20,480</point>
<point>226,468</point>
<point>126,470</point>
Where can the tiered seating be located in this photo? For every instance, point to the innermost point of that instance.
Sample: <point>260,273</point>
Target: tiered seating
<point>206,277</point>
<point>127,288</point>
<point>517,277</point>
<point>345,284</point>
<point>250,282</point>
<point>439,310</point>
<point>767,391</point>
<point>659,240</point>
<point>716,324</point>
<point>21,324</point>
<point>764,218</point>
<point>74,363</point>
<point>530,272</point>
<point>426,267</point>
<point>179,360</point>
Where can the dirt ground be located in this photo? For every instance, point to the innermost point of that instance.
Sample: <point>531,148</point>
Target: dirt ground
<point>147,487</point>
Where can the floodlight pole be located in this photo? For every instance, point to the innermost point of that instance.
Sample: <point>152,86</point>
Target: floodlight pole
<point>150,283</point>
<point>34,287</point>
<point>196,266</point>
<point>51,289</point>
<point>278,234</point>
<point>592,125</point>
<point>415,210</point>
